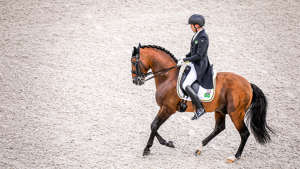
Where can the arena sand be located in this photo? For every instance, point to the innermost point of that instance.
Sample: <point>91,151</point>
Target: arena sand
<point>67,98</point>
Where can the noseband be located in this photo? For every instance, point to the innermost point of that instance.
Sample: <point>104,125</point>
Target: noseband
<point>138,71</point>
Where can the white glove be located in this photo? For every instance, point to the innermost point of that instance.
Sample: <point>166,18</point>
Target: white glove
<point>180,62</point>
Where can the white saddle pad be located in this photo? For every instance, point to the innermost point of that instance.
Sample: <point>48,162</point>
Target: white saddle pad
<point>205,95</point>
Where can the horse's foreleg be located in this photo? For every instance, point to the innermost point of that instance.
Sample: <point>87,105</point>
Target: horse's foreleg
<point>161,117</point>
<point>163,141</point>
<point>149,144</point>
<point>219,127</point>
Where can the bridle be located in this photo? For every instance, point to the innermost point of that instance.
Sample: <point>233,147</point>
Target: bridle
<point>139,73</point>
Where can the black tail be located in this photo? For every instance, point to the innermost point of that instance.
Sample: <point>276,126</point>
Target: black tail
<point>256,116</point>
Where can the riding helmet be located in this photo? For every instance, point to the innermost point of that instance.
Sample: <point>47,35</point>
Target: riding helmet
<point>197,19</point>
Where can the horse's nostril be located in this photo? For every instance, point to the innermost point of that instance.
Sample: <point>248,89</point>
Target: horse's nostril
<point>133,81</point>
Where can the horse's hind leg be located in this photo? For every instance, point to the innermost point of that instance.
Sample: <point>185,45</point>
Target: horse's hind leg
<point>219,127</point>
<point>238,121</point>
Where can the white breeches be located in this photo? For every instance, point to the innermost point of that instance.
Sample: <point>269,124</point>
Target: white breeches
<point>191,77</point>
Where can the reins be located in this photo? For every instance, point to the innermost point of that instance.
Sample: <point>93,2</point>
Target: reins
<point>163,72</point>
<point>138,71</point>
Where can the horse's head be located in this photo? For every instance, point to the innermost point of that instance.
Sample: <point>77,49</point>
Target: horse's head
<point>139,67</point>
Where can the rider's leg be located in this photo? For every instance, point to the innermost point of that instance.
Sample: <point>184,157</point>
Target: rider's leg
<point>196,101</point>
<point>191,77</point>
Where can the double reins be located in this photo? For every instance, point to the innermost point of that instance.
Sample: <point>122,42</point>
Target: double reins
<point>143,75</point>
<point>163,72</point>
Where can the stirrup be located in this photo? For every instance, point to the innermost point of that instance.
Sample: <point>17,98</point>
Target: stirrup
<point>199,113</point>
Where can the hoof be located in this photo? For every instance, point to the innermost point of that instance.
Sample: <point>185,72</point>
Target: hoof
<point>198,152</point>
<point>231,159</point>
<point>170,144</point>
<point>146,152</point>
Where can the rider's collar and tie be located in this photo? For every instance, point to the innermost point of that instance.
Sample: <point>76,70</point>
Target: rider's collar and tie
<point>195,35</point>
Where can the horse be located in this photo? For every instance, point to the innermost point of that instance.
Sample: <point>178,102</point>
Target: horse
<point>244,102</point>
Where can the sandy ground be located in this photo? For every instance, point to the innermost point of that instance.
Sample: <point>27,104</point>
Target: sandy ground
<point>67,98</point>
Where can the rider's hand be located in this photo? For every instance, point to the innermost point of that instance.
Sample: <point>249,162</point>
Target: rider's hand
<point>180,62</point>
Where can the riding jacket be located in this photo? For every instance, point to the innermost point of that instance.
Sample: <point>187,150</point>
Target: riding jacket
<point>198,56</point>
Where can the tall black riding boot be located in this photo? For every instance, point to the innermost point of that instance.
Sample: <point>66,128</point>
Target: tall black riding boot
<point>196,101</point>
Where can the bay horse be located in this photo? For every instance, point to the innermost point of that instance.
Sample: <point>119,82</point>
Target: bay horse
<point>234,96</point>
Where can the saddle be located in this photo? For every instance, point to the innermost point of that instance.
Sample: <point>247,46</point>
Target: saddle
<point>205,95</point>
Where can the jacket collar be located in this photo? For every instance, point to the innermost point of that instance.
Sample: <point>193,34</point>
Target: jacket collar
<point>196,36</point>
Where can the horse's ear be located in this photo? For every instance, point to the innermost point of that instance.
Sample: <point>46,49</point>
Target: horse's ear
<point>134,52</point>
<point>139,47</point>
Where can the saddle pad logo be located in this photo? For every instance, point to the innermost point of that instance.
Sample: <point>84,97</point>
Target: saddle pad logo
<point>207,94</point>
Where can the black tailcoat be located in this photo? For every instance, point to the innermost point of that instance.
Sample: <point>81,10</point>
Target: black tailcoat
<point>198,56</point>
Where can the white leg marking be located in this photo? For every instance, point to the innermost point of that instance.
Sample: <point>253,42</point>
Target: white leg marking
<point>231,159</point>
<point>198,151</point>
<point>200,147</point>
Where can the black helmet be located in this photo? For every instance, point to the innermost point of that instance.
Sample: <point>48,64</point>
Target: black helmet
<point>197,19</point>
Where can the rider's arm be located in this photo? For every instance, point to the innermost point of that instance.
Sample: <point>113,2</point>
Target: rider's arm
<point>188,55</point>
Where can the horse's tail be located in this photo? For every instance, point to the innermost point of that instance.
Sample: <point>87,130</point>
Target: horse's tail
<point>256,116</point>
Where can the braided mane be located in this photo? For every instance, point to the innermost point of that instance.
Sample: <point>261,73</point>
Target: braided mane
<point>162,49</point>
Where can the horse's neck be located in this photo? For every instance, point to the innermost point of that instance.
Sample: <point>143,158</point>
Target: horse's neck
<point>160,62</point>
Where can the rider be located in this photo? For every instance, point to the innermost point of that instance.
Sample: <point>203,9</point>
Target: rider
<point>198,61</point>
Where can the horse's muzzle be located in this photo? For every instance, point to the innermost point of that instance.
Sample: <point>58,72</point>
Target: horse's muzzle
<point>138,81</point>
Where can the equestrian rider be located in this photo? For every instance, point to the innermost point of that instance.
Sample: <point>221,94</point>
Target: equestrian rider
<point>198,61</point>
